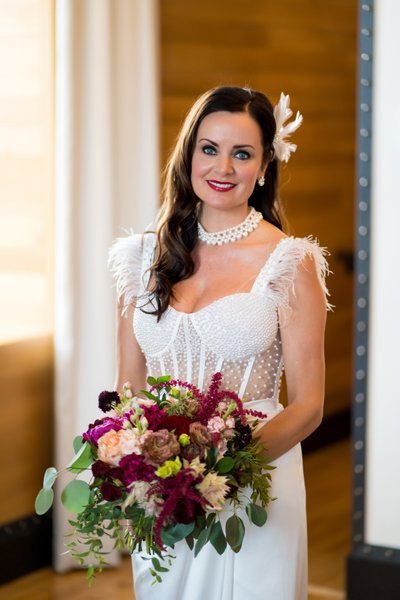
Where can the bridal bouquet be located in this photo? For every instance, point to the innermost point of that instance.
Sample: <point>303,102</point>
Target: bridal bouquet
<point>162,465</point>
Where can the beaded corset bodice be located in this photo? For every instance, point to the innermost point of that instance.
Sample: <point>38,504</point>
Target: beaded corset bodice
<point>237,334</point>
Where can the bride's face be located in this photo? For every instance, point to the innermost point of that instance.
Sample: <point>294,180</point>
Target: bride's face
<point>227,159</point>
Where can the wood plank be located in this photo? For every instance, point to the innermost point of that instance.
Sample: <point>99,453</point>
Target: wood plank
<point>307,49</point>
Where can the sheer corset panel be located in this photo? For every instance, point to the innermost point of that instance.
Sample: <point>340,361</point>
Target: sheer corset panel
<point>194,346</point>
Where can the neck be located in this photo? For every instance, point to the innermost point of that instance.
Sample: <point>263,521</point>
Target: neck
<point>216,219</point>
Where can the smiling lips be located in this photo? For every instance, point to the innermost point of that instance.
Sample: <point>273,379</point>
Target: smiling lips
<point>220,186</point>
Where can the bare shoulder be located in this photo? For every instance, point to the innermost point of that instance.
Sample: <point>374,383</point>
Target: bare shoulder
<point>268,235</point>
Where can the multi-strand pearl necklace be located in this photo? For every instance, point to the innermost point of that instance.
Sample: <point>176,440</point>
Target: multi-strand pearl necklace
<point>233,234</point>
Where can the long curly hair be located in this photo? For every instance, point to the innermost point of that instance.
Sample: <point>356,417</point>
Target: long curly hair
<point>177,220</point>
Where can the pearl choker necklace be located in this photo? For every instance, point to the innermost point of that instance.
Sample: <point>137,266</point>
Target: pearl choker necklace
<point>233,234</point>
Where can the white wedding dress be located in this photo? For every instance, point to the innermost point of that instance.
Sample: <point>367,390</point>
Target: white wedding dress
<point>237,335</point>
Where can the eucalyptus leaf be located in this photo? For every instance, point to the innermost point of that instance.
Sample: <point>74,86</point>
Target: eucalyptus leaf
<point>256,514</point>
<point>234,532</point>
<point>81,460</point>
<point>217,538</point>
<point>44,500</point>
<point>75,496</point>
<point>225,465</point>
<point>77,443</point>
<point>49,478</point>
<point>176,533</point>
<point>201,541</point>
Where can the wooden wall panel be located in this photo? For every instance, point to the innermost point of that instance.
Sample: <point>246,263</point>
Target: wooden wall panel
<point>26,424</point>
<point>306,48</point>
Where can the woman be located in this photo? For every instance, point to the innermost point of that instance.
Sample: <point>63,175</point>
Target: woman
<point>220,287</point>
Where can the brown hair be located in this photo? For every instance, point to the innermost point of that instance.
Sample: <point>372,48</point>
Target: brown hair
<point>177,220</point>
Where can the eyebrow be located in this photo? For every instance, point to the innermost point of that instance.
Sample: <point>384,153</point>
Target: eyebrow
<point>235,146</point>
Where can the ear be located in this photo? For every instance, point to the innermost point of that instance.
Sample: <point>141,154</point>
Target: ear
<point>264,168</point>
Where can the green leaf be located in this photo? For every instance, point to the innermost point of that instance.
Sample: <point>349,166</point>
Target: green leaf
<point>81,460</point>
<point>44,500</point>
<point>149,395</point>
<point>225,465</point>
<point>201,541</point>
<point>190,541</point>
<point>49,478</point>
<point>163,378</point>
<point>176,533</point>
<point>151,380</point>
<point>211,457</point>
<point>234,532</point>
<point>217,538</point>
<point>157,566</point>
<point>75,496</point>
<point>256,514</point>
<point>77,443</point>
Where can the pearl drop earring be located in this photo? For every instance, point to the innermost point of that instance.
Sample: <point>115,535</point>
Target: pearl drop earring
<point>261,180</point>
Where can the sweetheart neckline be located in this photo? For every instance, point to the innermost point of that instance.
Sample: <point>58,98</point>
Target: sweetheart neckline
<point>249,293</point>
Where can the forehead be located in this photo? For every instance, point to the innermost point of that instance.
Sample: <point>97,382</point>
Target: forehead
<point>235,127</point>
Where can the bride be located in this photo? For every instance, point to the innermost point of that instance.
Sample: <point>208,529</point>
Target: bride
<point>220,287</point>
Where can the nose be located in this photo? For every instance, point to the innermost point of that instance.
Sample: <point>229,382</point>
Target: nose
<point>225,164</point>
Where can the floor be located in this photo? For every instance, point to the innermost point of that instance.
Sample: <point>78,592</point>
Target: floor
<point>328,480</point>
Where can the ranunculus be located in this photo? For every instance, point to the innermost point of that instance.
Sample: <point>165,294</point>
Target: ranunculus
<point>199,435</point>
<point>113,445</point>
<point>214,490</point>
<point>159,446</point>
<point>107,399</point>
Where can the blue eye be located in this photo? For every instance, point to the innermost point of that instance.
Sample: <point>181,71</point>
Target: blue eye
<point>210,150</point>
<point>242,155</point>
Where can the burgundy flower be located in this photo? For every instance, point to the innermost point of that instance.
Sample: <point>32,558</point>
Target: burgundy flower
<point>100,427</point>
<point>102,470</point>
<point>133,468</point>
<point>110,491</point>
<point>107,399</point>
<point>177,423</point>
<point>190,452</point>
<point>180,494</point>
<point>154,415</point>
<point>187,510</point>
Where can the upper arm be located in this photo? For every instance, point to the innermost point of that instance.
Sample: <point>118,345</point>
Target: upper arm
<point>302,334</point>
<point>131,364</point>
<point>125,261</point>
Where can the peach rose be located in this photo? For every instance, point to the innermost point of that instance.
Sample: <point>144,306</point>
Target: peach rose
<point>113,445</point>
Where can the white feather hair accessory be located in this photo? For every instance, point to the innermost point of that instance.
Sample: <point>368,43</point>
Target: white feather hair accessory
<point>283,148</point>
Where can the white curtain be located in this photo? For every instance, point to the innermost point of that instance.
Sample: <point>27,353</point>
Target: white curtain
<point>107,181</point>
